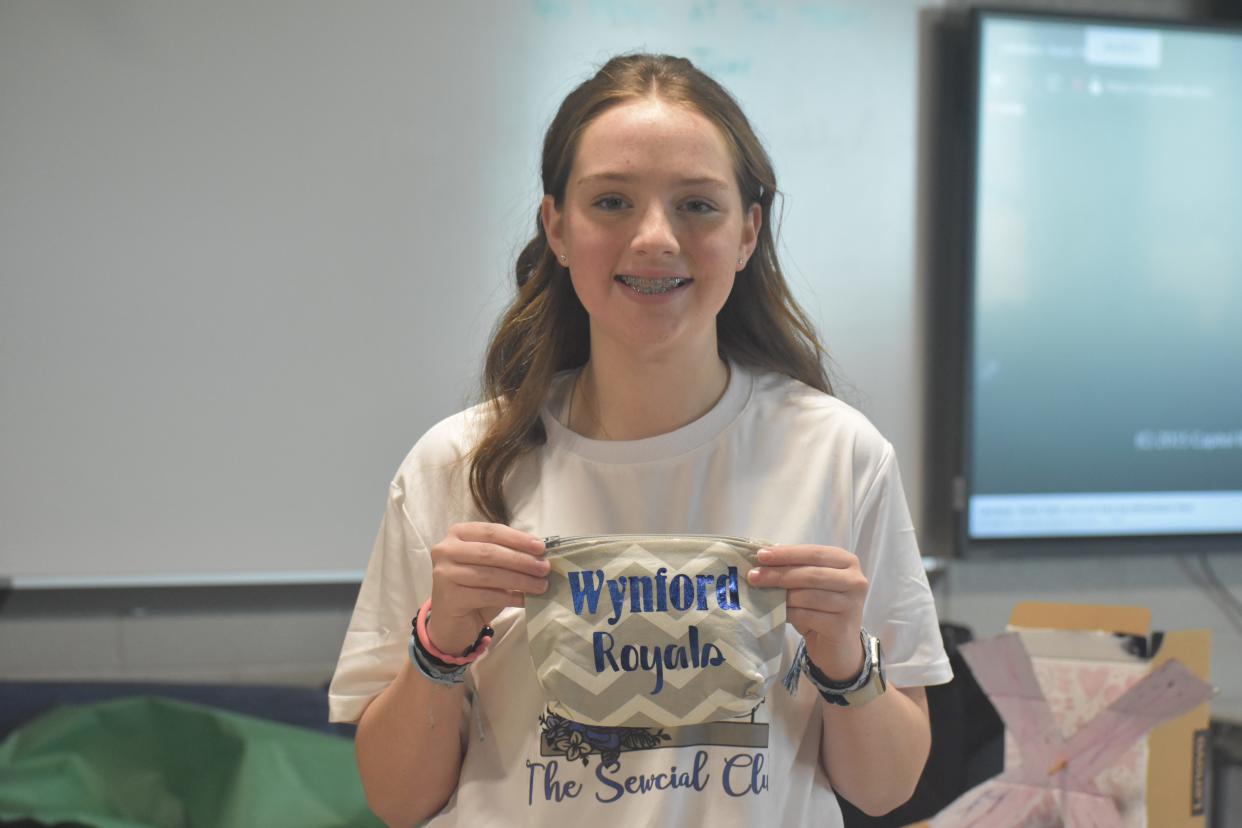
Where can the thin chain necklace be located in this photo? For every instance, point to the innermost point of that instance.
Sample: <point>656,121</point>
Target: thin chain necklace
<point>597,420</point>
<point>569,414</point>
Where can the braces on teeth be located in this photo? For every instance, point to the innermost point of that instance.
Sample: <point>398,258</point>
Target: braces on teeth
<point>650,286</point>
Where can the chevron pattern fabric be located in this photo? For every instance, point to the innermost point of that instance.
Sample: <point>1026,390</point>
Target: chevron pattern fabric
<point>654,631</point>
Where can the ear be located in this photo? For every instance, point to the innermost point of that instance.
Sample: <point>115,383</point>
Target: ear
<point>550,217</point>
<point>750,231</point>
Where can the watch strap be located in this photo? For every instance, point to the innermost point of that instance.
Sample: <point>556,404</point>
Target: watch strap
<point>869,685</point>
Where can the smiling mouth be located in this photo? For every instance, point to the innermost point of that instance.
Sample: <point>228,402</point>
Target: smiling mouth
<point>652,286</point>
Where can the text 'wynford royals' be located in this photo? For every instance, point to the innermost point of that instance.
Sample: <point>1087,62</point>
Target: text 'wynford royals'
<point>654,594</point>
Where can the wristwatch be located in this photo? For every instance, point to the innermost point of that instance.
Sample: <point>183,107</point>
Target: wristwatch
<point>868,686</point>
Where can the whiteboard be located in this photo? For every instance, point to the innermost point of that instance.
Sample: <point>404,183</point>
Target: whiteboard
<point>251,251</point>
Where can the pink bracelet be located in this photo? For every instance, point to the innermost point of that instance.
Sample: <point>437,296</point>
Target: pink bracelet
<point>477,650</point>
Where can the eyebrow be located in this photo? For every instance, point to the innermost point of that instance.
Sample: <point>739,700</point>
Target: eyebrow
<point>624,178</point>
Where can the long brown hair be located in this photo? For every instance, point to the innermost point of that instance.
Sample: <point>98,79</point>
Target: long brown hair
<point>545,329</point>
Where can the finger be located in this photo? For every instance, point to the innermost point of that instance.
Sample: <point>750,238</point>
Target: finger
<point>490,577</point>
<point>806,555</point>
<point>820,600</point>
<point>500,557</point>
<point>807,577</point>
<point>501,535</point>
<point>806,620</point>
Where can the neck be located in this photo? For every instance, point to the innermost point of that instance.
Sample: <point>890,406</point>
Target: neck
<point>633,396</point>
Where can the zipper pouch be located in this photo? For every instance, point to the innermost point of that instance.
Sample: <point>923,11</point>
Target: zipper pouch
<point>654,630</point>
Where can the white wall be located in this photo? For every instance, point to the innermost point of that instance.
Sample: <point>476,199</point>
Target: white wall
<point>252,250</point>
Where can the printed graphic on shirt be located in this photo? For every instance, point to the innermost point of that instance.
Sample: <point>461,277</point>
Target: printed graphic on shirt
<point>738,773</point>
<point>576,741</point>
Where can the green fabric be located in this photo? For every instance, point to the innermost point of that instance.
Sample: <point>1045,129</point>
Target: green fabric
<point>151,762</point>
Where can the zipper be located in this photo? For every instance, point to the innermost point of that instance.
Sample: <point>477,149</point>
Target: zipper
<point>558,542</point>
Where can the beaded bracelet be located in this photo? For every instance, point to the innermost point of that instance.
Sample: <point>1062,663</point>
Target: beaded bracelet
<point>475,650</point>
<point>436,665</point>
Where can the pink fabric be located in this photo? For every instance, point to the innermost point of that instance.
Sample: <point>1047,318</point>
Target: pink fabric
<point>1057,781</point>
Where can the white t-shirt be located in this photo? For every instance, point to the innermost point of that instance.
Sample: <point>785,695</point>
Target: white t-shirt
<point>772,459</point>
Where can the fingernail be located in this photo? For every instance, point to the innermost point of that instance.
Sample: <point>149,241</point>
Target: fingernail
<point>757,572</point>
<point>764,554</point>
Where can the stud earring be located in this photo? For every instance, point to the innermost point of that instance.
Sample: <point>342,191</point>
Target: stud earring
<point>563,259</point>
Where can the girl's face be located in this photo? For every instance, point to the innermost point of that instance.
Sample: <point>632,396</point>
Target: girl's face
<point>652,225</point>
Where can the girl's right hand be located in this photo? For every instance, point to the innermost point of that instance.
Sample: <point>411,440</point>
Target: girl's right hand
<point>476,571</point>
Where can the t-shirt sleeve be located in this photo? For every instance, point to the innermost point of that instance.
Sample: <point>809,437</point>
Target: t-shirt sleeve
<point>900,608</point>
<point>397,582</point>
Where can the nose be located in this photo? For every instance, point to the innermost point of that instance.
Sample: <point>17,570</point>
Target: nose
<point>655,234</point>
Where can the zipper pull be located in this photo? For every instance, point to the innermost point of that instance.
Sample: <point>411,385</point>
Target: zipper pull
<point>551,541</point>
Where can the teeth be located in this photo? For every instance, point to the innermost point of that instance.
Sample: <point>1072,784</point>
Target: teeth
<point>650,286</point>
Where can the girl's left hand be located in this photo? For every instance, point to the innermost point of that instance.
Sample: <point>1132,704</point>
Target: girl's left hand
<point>826,592</point>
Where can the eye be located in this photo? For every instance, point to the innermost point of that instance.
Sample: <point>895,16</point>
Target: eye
<point>609,203</point>
<point>698,205</point>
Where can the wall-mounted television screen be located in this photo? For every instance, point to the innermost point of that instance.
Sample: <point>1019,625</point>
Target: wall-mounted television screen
<point>1103,368</point>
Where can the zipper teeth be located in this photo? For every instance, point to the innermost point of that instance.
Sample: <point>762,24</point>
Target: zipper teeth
<point>559,542</point>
